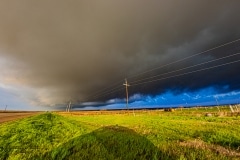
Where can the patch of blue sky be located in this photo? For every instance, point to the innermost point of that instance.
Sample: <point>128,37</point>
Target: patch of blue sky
<point>203,97</point>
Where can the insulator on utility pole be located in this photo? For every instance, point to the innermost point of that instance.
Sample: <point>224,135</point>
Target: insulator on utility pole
<point>126,85</point>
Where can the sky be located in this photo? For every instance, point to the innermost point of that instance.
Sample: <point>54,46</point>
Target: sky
<point>171,51</point>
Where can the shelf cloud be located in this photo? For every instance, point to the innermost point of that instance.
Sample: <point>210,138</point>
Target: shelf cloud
<point>61,50</point>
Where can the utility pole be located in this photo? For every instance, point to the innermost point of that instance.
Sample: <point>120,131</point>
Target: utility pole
<point>68,106</point>
<point>70,103</point>
<point>126,85</point>
<point>5,108</point>
<point>231,108</point>
<point>217,104</point>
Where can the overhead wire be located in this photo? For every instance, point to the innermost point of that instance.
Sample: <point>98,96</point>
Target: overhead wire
<point>214,60</point>
<point>180,60</point>
<point>107,93</point>
<point>135,84</point>
<point>102,93</point>
<point>187,73</point>
<point>105,90</point>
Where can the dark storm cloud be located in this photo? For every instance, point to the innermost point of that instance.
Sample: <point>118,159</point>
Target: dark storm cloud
<point>73,49</point>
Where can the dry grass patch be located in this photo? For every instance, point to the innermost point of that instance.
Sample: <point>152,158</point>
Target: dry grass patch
<point>199,144</point>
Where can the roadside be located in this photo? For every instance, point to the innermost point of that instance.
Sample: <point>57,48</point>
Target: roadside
<point>8,116</point>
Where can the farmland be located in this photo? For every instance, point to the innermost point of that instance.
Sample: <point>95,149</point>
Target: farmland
<point>182,134</point>
<point>10,116</point>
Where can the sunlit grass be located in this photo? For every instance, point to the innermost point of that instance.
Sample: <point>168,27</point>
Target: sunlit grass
<point>186,134</point>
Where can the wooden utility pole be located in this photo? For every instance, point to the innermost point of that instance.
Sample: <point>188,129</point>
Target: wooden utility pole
<point>68,106</point>
<point>6,108</point>
<point>217,104</point>
<point>236,107</point>
<point>231,108</point>
<point>126,85</point>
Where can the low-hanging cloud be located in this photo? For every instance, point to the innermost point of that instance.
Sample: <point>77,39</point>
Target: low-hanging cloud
<point>65,50</point>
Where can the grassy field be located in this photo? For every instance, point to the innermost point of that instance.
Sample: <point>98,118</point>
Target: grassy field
<point>186,134</point>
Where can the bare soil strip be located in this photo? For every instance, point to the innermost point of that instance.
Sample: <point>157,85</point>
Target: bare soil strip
<point>5,117</point>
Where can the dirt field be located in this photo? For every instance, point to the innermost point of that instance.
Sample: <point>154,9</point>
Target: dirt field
<point>10,116</point>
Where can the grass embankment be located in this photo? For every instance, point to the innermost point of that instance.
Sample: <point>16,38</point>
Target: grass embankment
<point>147,135</point>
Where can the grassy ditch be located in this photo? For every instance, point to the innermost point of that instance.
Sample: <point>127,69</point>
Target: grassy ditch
<point>161,135</point>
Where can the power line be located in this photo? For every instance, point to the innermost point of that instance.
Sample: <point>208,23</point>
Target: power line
<point>187,73</point>
<point>186,67</point>
<point>103,95</point>
<point>106,89</point>
<point>170,77</point>
<point>180,60</point>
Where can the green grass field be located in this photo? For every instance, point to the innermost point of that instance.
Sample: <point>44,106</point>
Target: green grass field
<point>186,134</point>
